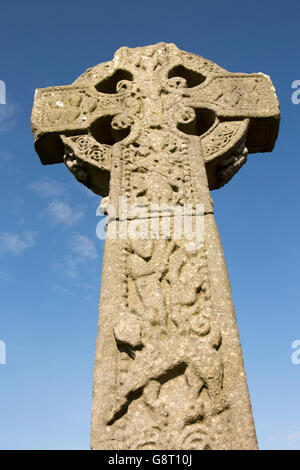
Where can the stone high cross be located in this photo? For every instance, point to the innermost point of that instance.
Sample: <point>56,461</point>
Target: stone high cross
<point>158,125</point>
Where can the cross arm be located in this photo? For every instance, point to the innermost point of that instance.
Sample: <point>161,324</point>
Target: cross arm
<point>238,97</point>
<point>67,110</point>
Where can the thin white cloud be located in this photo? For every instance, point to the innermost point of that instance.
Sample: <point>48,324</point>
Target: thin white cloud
<point>6,276</point>
<point>60,212</point>
<point>7,116</point>
<point>81,251</point>
<point>83,248</point>
<point>5,156</point>
<point>59,289</point>
<point>47,188</point>
<point>89,286</point>
<point>15,243</point>
<point>70,273</point>
<point>294,436</point>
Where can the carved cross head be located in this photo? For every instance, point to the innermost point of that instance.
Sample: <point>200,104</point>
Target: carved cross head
<point>155,99</point>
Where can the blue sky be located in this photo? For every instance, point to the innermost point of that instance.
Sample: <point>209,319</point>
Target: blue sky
<point>50,258</point>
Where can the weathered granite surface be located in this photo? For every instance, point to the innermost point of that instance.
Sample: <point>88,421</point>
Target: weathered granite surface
<point>158,125</point>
